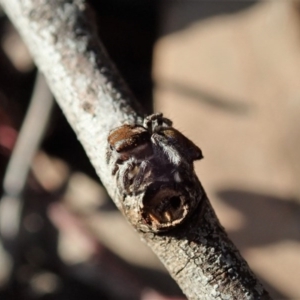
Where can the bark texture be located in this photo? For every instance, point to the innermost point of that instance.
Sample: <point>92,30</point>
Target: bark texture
<point>63,43</point>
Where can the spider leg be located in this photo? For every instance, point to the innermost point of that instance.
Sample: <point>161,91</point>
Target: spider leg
<point>123,177</point>
<point>156,121</point>
<point>142,174</point>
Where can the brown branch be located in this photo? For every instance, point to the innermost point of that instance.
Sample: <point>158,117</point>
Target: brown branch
<point>63,43</point>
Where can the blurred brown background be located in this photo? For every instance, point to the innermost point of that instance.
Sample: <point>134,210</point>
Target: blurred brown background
<point>227,73</point>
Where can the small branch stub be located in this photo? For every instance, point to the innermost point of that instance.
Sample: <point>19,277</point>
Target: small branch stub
<point>152,164</point>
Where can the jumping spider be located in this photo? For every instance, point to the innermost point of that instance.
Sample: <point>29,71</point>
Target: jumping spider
<point>157,160</point>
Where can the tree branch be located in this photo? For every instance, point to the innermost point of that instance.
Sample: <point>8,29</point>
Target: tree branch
<point>63,43</point>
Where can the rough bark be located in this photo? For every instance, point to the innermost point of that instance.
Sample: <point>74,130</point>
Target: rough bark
<point>63,43</point>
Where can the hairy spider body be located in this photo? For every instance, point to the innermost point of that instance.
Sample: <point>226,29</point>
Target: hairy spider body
<point>156,161</point>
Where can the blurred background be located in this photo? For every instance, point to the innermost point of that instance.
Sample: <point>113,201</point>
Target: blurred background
<point>227,73</point>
